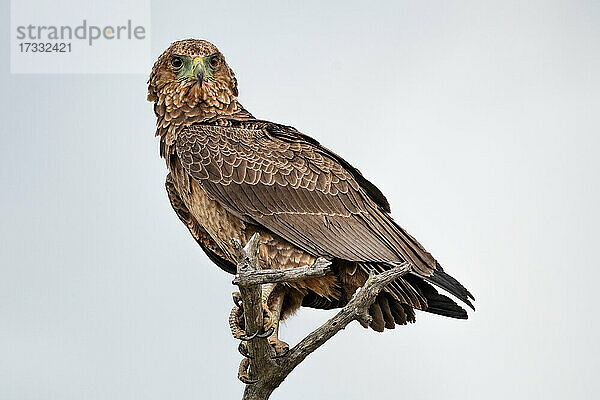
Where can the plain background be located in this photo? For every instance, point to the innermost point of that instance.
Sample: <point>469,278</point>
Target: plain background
<point>480,122</point>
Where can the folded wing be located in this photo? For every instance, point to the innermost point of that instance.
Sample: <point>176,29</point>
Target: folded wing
<point>300,191</point>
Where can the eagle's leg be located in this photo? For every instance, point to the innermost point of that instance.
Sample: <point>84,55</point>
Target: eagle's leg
<point>236,318</point>
<point>267,290</point>
<point>272,301</point>
<point>274,305</point>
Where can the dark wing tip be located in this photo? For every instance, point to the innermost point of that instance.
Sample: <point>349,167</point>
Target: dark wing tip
<point>451,285</point>
<point>437,303</point>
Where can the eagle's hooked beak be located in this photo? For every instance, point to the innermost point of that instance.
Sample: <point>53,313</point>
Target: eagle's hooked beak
<point>198,69</point>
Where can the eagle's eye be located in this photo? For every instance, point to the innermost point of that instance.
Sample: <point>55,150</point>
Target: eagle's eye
<point>176,62</point>
<point>214,61</point>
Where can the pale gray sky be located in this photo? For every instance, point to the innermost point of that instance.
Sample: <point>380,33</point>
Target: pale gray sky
<point>479,121</point>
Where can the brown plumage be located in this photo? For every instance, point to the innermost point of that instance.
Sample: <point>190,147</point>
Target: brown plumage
<point>231,175</point>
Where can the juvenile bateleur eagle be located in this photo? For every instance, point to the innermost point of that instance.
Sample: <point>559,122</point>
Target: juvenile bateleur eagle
<point>232,175</point>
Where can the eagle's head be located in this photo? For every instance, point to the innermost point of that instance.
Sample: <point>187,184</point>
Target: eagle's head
<point>192,73</point>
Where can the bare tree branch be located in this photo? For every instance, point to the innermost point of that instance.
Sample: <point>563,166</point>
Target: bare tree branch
<point>266,372</point>
<point>253,312</point>
<point>257,277</point>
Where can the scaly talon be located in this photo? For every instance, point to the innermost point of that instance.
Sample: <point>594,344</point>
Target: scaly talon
<point>236,322</point>
<point>243,349</point>
<point>266,334</point>
<point>263,335</point>
<point>243,372</point>
<point>246,379</point>
<point>283,353</point>
<point>272,303</point>
<point>247,338</point>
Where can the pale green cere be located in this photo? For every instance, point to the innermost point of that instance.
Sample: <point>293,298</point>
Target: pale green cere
<point>195,67</point>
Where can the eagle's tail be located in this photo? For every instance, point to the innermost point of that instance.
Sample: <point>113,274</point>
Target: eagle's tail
<point>396,304</point>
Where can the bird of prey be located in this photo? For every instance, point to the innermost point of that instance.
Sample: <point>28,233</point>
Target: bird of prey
<point>232,175</point>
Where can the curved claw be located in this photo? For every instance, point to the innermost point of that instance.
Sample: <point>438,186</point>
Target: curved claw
<point>243,372</point>
<point>247,338</point>
<point>263,335</point>
<point>244,351</point>
<point>266,334</point>
<point>247,380</point>
<point>283,354</point>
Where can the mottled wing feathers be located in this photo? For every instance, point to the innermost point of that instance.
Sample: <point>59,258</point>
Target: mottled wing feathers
<point>298,190</point>
<point>289,133</point>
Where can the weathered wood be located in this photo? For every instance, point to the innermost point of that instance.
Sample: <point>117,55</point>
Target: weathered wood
<point>269,372</point>
<point>258,277</point>
<point>356,309</point>
<point>259,348</point>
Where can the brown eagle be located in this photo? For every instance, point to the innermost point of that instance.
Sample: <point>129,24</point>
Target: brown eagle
<point>232,175</point>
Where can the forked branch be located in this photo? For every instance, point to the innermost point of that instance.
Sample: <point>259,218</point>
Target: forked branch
<point>266,372</point>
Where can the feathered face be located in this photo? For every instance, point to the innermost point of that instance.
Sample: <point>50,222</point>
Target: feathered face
<point>189,73</point>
